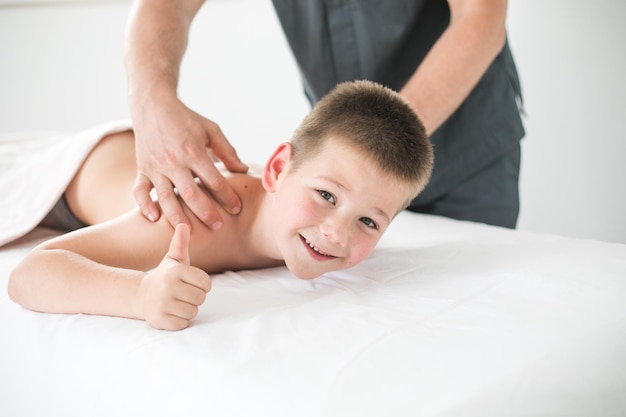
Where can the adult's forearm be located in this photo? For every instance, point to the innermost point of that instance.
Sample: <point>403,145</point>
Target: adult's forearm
<point>156,41</point>
<point>458,60</point>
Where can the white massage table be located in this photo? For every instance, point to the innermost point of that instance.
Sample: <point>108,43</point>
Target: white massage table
<point>446,318</point>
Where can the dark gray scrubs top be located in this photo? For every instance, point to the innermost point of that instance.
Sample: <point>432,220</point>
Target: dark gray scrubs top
<point>385,41</point>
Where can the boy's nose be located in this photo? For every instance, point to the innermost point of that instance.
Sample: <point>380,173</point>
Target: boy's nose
<point>335,230</point>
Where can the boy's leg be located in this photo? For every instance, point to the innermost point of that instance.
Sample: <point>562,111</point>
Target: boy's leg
<point>103,186</point>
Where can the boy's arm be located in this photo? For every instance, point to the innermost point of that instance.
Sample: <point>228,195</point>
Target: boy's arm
<point>108,270</point>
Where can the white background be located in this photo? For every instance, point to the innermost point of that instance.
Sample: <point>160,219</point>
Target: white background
<point>61,68</point>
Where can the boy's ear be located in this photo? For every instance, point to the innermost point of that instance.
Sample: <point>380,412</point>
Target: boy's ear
<point>276,164</point>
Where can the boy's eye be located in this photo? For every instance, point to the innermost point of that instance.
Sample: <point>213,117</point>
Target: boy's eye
<point>327,196</point>
<point>368,222</point>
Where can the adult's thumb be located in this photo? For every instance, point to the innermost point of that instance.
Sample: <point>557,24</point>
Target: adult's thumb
<point>179,245</point>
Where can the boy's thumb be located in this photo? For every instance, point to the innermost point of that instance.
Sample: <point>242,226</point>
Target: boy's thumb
<point>179,245</point>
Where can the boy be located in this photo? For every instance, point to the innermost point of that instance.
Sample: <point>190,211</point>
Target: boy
<point>321,204</point>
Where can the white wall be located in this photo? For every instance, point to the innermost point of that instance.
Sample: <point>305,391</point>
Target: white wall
<point>572,59</point>
<point>61,68</point>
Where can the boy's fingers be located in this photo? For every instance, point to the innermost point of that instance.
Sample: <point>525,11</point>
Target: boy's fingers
<point>191,294</point>
<point>170,322</point>
<point>179,245</point>
<point>199,279</point>
<point>184,310</point>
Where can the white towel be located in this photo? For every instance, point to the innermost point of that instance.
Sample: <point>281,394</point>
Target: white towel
<point>35,169</point>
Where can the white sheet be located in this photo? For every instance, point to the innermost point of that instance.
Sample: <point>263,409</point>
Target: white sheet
<point>446,318</point>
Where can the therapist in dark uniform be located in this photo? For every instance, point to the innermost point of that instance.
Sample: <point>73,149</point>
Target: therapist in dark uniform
<point>449,59</point>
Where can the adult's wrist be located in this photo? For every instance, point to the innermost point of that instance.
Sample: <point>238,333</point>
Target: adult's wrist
<point>148,95</point>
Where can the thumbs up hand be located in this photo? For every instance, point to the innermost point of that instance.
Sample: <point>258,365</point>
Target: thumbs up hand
<point>172,292</point>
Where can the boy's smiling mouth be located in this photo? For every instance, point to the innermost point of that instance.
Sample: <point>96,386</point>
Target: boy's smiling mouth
<point>316,252</point>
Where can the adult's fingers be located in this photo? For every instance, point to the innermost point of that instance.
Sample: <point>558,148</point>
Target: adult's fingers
<point>141,191</point>
<point>168,200</point>
<point>225,152</point>
<point>219,188</point>
<point>166,197</point>
<point>202,205</point>
<point>211,176</point>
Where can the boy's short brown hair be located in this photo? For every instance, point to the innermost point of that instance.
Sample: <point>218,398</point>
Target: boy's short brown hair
<point>377,122</point>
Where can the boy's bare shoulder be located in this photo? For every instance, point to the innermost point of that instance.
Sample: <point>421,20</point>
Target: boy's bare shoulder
<point>212,250</point>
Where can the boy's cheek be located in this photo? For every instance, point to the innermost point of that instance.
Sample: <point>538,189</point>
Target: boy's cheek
<point>361,252</point>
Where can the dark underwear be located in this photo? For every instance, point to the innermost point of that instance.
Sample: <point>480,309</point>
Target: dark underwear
<point>62,218</point>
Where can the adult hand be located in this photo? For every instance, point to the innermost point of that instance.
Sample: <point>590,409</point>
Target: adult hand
<point>171,293</point>
<point>172,144</point>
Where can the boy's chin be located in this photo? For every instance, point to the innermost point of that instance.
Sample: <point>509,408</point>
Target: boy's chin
<point>303,272</point>
<point>305,275</point>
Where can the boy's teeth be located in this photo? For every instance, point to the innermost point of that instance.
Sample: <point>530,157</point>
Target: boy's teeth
<point>312,246</point>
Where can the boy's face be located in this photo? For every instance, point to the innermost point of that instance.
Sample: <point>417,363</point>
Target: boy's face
<point>329,213</point>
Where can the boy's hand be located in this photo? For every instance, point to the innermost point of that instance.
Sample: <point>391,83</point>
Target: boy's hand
<point>172,292</point>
